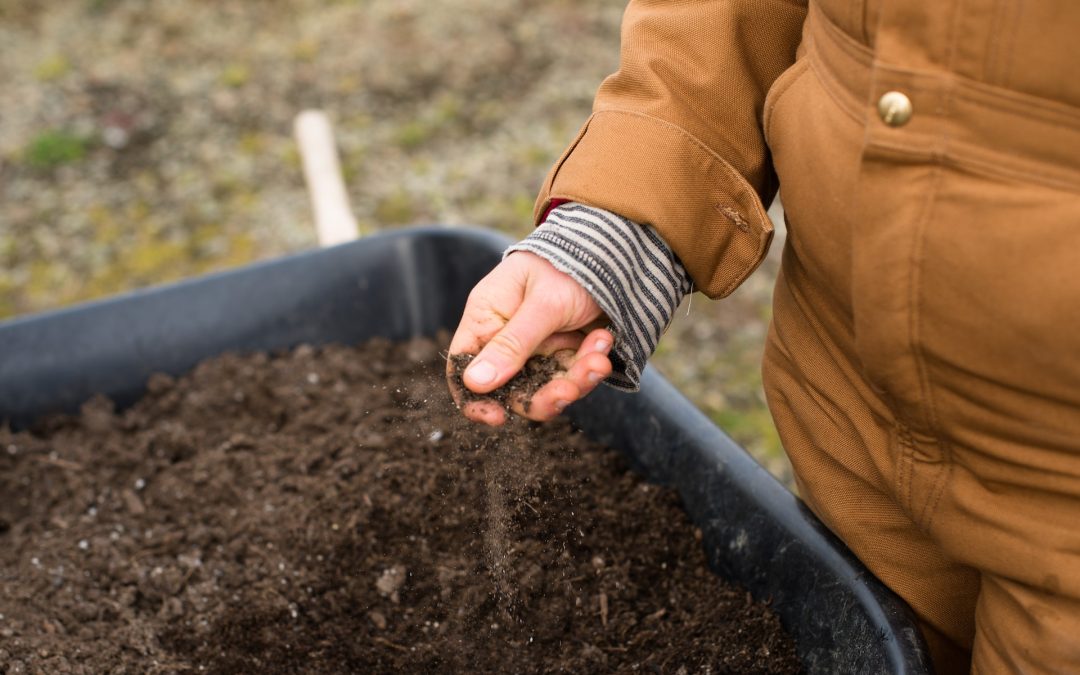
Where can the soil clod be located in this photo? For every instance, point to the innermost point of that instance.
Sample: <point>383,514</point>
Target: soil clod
<point>536,372</point>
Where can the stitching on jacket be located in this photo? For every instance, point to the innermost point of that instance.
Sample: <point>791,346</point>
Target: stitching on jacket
<point>972,92</point>
<point>857,51</point>
<point>1008,60</point>
<point>760,231</point>
<point>950,44</point>
<point>906,460</point>
<point>864,20</point>
<point>966,156</point>
<point>929,508</point>
<point>992,58</point>
<point>836,91</point>
<point>742,187</point>
<point>1017,103</point>
<point>1029,173</point>
<point>538,209</point>
<point>785,80</point>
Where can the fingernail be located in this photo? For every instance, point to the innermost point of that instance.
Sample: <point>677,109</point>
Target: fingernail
<point>482,373</point>
<point>560,405</point>
<point>602,346</point>
<point>593,377</point>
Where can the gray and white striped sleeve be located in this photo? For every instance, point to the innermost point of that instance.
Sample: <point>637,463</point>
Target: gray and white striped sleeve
<point>627,268</point>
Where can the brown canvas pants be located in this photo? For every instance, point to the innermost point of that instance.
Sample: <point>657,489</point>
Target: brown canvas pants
<point>923,366</point>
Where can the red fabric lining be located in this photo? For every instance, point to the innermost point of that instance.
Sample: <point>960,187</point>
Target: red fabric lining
<point>554,204</point>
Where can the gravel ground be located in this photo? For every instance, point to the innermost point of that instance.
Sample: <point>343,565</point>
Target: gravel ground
<point>147,140</point>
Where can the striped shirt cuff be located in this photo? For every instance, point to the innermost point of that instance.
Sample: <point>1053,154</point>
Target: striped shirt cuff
<point>626,267</point>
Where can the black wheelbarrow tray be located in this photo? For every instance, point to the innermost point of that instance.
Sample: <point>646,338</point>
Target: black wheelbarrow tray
<point>414,282</point>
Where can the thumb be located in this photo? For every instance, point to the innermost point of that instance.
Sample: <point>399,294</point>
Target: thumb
<point>509,349</point>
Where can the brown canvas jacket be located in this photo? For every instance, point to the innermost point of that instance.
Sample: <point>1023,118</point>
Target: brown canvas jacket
<point>677,137</point>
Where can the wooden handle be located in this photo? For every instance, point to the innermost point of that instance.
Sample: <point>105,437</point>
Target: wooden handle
<point>334,221</point>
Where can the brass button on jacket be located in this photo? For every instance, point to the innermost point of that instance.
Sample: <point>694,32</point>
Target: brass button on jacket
<point>894,108</point>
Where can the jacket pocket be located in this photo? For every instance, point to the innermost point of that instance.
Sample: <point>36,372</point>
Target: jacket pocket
<point>776,92</point>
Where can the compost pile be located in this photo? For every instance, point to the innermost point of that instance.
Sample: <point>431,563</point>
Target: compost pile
<point>327,510</point>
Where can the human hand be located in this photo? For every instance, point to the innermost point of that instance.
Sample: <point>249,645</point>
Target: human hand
<point>523,307</point>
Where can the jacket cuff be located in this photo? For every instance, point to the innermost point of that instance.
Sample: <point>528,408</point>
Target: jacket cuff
<point>626,267</point>
<point>653,172</point>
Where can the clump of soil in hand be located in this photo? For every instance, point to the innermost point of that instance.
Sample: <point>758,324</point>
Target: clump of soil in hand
<point>329,511</point>
<point>537,371</point>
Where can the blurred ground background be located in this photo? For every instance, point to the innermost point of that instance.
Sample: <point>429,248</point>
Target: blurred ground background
<point>143,141</point>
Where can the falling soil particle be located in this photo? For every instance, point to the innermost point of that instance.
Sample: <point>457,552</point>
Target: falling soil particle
<point>328,510</point>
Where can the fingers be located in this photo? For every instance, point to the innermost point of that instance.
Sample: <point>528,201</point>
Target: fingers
<point>524,307</point>
<point>487,412</point>
<point>491,302</point>
<point>585,369</point>
<point>506,352</point>
<point>478,322</point>
<point>592,365</point>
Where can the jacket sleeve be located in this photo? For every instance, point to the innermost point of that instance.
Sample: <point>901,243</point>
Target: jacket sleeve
<point>675,139</point>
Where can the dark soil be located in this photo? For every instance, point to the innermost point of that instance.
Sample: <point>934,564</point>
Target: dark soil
<point>329,511</point>
<point>537,372</point>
